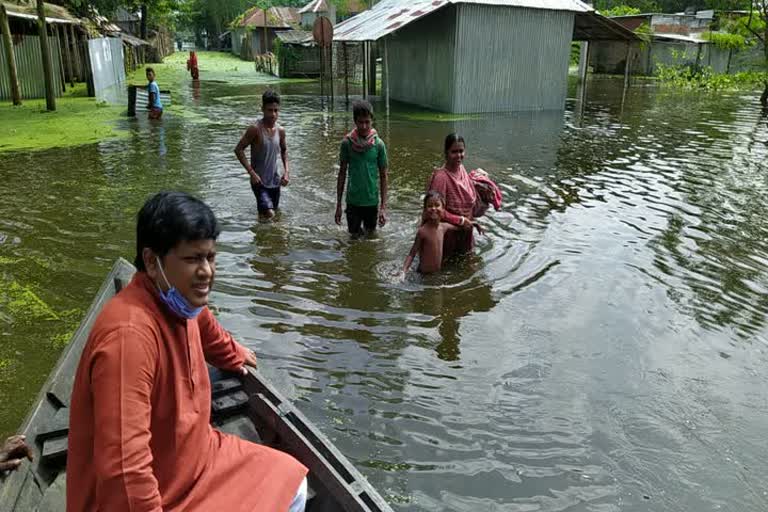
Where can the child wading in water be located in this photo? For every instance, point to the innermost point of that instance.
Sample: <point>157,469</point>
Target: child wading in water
<point>155,106</point>
<point>429,239</point>
<point>364,156</point>
<point>268,145</point>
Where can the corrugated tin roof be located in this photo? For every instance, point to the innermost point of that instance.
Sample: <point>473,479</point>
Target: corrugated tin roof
<point>295,37</point>
<point>277,17</point>
<point>54,14</point>
<point>133,41</point>
<point>315,6</point>
<point>390,15</point>
<point>680,37</point>
<point>592,26</point>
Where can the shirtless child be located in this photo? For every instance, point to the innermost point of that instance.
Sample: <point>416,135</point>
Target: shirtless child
<point>429,239</point>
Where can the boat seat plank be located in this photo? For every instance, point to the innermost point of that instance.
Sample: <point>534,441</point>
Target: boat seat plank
<point>225,386</point>
<point>54,450</point>
<point>57,427</point>
<point>55,497</point>
<point>229,404</point>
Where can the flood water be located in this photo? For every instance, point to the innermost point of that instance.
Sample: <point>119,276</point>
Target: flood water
<point>604,349</point>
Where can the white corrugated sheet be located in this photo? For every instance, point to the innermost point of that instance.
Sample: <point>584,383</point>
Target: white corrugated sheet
<point>315,6</point>
<point>390,15</point>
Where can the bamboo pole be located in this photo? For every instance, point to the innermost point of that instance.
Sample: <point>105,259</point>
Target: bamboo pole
<point>68,54</point>
<point>62,74</point>
<point>10,56</point>
<point>386,73</point>
<point>50,94</point>
<point>76,54</point>
<point>330,65</point>
<point>365,70</point>
<point>626,65</point>
<point>346,72</point>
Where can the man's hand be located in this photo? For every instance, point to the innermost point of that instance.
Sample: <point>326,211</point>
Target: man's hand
<point>383,216</point>
<point>285,180</point>
<point>250,360</point>
<point>13,452</point>
<point>338,214</point>
<point>255,179</point>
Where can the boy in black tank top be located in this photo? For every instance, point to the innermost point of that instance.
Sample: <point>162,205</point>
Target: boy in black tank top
<point>267,140</point>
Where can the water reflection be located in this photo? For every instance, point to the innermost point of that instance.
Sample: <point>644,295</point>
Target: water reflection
<point>606,343</point>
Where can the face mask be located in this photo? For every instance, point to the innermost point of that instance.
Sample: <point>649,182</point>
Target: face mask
<point>175,300</point>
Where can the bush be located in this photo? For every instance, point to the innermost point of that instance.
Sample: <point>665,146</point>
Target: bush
<point>727,41</point>
<point>688,76</point>
<point>620,10</point>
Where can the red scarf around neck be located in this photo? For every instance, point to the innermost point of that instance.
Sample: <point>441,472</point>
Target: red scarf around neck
<point>361,144</point>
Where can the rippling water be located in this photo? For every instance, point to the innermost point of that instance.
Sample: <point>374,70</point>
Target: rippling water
<point>604,349</point>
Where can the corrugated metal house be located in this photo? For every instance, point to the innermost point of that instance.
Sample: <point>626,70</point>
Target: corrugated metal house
<point>26,44</point>
<point>248,31</point>
<point>469,56</point>
<point>316,8</point>
<point>676,39</point>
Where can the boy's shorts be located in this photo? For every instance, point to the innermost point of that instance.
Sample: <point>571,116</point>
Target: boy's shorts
<point>266,198</point>
<point>155,113</point>
<point>362,216</point>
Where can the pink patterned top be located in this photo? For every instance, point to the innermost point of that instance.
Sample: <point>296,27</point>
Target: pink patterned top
<point>458,191</point>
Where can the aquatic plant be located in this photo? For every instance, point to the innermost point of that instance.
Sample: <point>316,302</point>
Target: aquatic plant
<point>691,77</point>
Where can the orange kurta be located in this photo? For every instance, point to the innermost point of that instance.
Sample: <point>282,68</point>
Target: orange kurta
<point>140,438</point>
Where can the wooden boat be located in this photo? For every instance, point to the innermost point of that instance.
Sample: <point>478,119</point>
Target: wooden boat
<point>247,406</point>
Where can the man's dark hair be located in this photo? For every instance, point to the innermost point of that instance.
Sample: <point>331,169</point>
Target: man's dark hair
<point>149,70</point>
<point>269,97</point>
<point>433,194</point>
<point>452,139</point>
<point>168,218</point>
<point>361,108</point>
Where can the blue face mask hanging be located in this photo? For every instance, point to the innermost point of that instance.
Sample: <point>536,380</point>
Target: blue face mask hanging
<point>175,300</point>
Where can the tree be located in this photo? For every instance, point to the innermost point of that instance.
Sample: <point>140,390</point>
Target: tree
<point>759,9</point>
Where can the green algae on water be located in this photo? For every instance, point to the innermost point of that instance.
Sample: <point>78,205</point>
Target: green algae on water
<point>77,120</point>
<point>24,305</point>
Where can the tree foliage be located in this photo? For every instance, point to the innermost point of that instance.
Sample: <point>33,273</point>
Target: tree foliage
<point>649,6</point>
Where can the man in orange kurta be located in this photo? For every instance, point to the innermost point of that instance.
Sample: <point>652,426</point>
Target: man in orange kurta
<point>140,438</point>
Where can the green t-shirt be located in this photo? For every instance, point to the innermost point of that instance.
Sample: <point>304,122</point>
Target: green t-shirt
<point>363,172</point>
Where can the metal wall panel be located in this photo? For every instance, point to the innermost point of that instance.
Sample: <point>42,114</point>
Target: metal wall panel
<point>511,59</point>
<point>237,40</point>
<point>107,64</point>
<point>421,61</point>
<point>29,65</point>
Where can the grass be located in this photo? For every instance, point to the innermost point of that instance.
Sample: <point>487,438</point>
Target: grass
<point>80,120</point>
<point>214,66</point>
<point>77,120</point>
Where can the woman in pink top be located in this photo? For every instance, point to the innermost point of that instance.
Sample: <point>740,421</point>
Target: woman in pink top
<point>453,183</point>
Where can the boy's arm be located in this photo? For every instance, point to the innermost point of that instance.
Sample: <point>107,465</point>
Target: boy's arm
<point>411,255</point>
<point>383,162</point>
<point>251,136</point>
<point>383,190</point>
<point>342,180</point>
<point>284,155</point>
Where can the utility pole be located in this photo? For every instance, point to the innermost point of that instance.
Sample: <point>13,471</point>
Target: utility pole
<point>584,55</point>
<point>50,94</point>
<point>10,56</point>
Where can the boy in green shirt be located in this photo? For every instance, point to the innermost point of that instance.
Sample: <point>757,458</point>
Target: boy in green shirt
<point>363,156</point>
